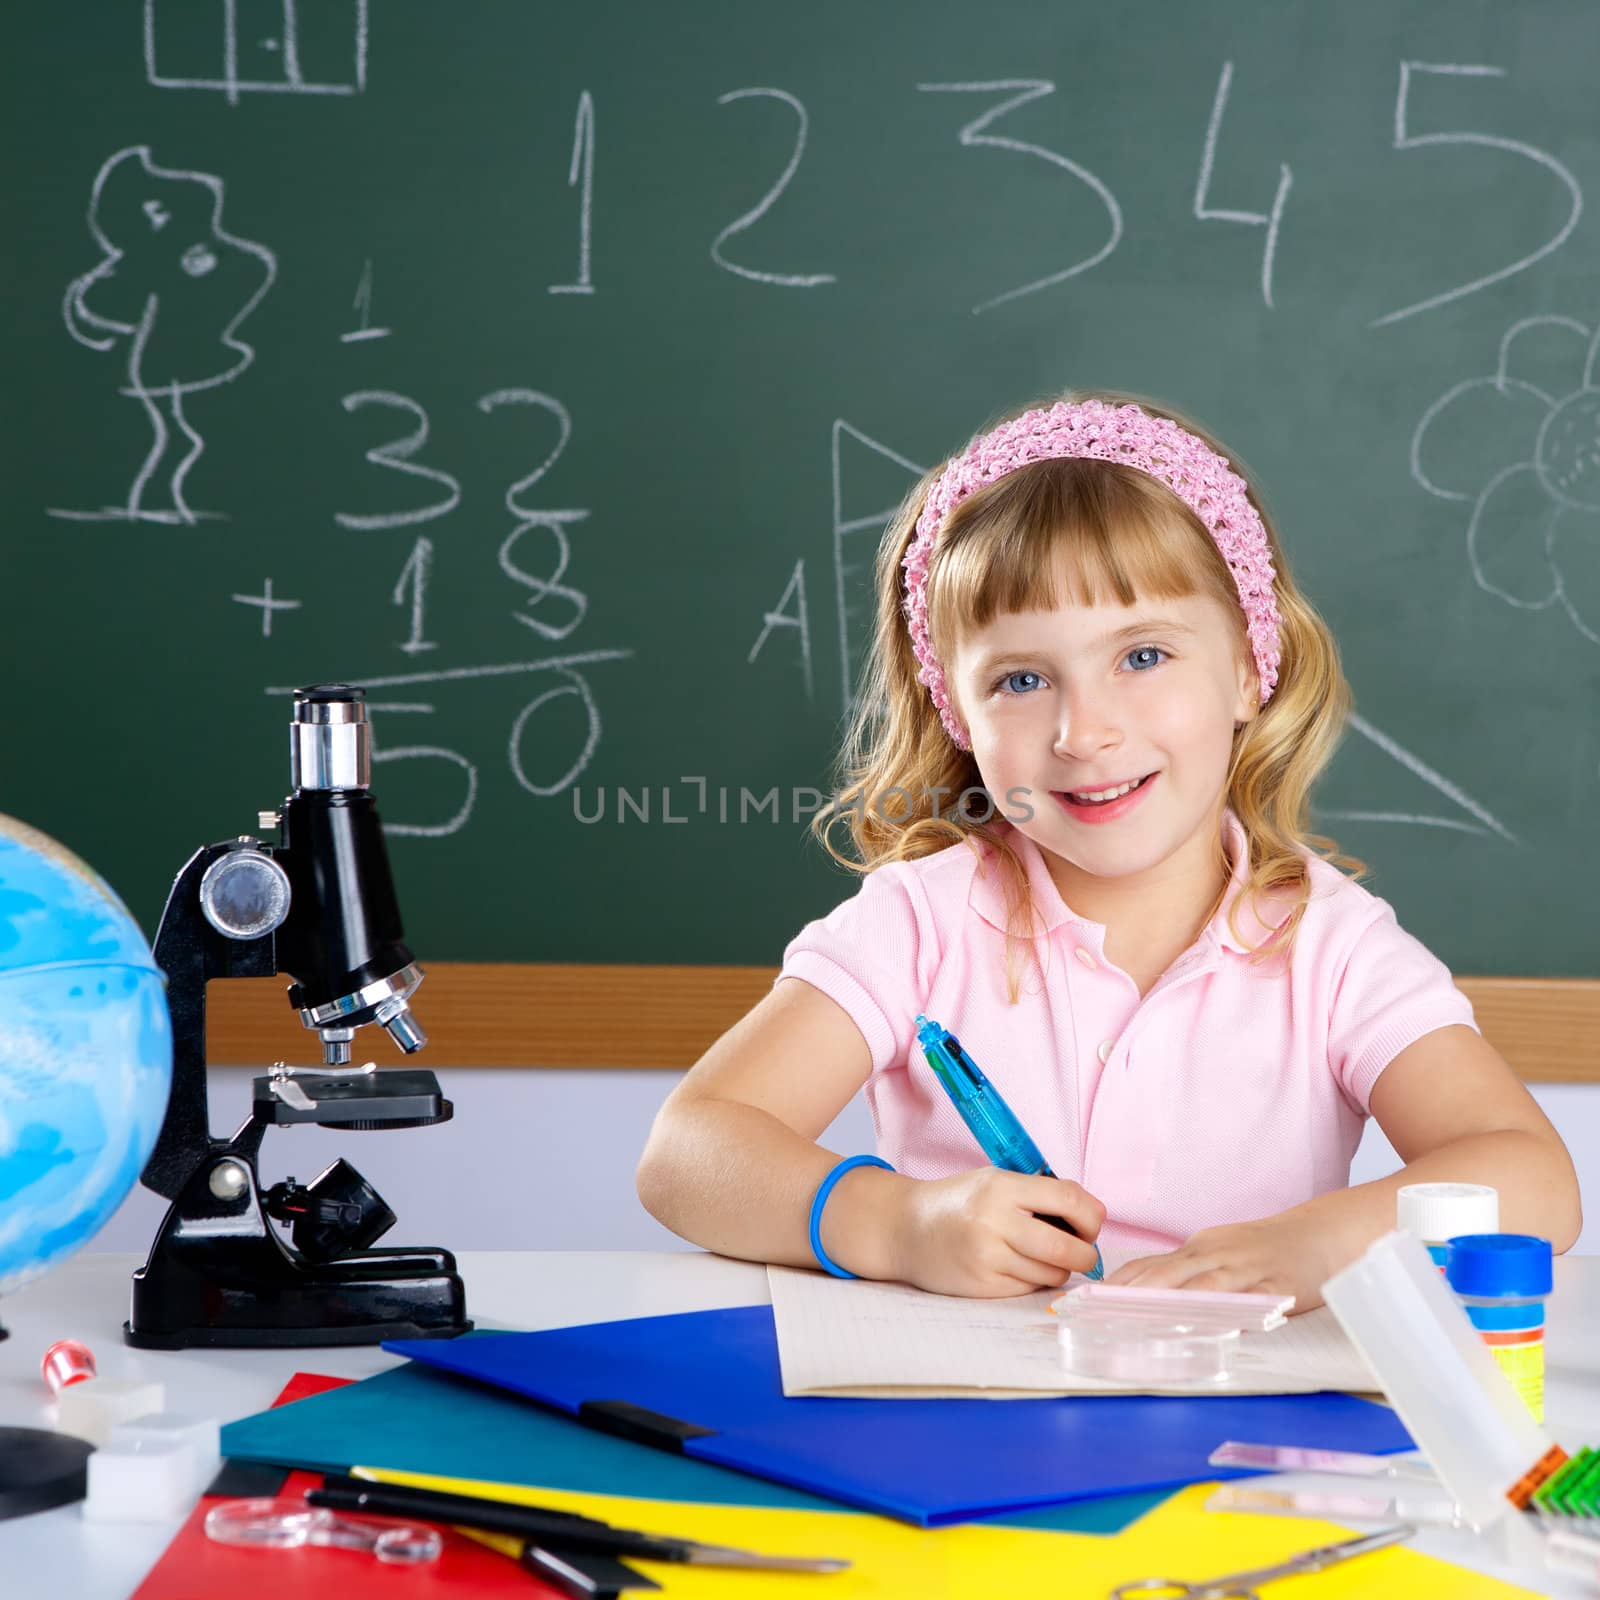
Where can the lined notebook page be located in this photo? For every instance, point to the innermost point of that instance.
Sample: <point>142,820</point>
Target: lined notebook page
<point>851,1337</point>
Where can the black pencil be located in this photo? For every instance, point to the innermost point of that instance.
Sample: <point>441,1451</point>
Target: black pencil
<point>537,1524</point>
<point>543,1526</point>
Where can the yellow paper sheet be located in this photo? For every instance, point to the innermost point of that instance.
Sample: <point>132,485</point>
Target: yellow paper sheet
<point>1179,1538</point>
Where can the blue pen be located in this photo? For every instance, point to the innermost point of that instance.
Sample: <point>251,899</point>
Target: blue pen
<point>993,1123</point>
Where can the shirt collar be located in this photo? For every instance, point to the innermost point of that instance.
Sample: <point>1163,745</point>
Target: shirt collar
<point>1220,928</point>
<point>987,895</point>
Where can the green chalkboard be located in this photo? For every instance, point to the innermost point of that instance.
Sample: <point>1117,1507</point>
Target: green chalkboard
<point>551,370</point>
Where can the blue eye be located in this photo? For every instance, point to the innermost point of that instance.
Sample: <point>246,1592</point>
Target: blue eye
<point>1145,657</point>
<point>1010,682</point>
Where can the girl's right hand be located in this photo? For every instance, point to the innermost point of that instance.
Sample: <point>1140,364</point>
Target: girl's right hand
<point>976,1234</point>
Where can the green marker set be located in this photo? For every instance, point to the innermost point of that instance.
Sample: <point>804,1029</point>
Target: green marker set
<point>1572,1490</point>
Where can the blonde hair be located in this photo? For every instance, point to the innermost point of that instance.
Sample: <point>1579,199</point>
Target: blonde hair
<point>1109,532</point>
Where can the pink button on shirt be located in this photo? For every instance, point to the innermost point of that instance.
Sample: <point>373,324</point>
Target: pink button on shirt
<point>1230,1091</point>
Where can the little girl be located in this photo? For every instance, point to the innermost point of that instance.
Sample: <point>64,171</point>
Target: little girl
<point>1077,786</point>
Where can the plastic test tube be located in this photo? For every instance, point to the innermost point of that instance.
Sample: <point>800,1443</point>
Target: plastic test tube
<point>1436,1212</point>
<point>1503,1280</point>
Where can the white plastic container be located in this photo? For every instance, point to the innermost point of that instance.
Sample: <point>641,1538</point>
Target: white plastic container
<point>1438,1374</point>
<point>152,1469</point>
<point>1436,1212</point>
<point>90,1409</point>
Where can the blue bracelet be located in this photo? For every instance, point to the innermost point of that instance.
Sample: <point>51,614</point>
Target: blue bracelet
<point>824,1189</point>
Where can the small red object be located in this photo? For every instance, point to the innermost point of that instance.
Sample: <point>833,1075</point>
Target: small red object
<point>66,1362</point>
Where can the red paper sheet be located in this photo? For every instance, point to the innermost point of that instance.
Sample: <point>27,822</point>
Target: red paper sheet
<point>193,1565</point>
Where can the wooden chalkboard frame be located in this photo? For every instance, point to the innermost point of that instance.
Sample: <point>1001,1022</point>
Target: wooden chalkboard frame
<point>558,1015</point>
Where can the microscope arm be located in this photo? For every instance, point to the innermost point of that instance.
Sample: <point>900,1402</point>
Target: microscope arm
<point>191,953</point>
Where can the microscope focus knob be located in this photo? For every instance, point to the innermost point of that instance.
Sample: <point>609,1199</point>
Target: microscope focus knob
<point>228,1180</point>
<point>245,893</point>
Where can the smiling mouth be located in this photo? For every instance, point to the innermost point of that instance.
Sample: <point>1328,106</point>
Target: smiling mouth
<point>1106,797</point>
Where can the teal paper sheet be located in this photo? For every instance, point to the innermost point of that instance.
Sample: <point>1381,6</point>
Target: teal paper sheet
<point>411,1419</point>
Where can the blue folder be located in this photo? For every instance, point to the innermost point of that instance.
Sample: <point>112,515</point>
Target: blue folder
<point>707,1384</point>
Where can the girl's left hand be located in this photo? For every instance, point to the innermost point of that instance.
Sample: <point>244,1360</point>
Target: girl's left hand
<point>1276,1255</point>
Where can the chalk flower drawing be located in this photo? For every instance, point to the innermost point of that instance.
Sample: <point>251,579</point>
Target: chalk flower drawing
<point>1521,447</point>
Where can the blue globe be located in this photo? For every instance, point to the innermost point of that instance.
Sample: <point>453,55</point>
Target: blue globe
<point>85,1053</point>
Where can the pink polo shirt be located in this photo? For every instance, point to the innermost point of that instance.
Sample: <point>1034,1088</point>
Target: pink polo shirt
<point>1230,1091</point>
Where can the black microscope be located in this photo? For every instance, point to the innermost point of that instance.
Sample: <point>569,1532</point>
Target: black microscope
<point>318,906</point>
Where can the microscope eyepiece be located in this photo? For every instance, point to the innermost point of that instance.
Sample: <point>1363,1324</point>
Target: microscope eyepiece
<point>330,738</point>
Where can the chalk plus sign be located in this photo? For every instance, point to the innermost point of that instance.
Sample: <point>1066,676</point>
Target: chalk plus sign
<point>268,606</point>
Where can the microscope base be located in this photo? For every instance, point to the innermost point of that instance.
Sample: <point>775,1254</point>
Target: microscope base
<point>267,1338</point>
<point>219,1276</point>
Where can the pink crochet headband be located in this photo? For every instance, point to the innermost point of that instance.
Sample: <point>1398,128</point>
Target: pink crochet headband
<point>1092,428</point>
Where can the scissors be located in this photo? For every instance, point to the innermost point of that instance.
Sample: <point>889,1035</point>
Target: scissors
<point>1240,1585</point>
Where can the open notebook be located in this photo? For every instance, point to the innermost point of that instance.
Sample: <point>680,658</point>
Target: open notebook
<point>852,1337</point>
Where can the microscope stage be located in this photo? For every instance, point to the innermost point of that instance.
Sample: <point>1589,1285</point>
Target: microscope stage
<point>397,1097</point>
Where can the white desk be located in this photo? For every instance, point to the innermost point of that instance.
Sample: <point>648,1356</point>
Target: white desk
<point>56,1555</point>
